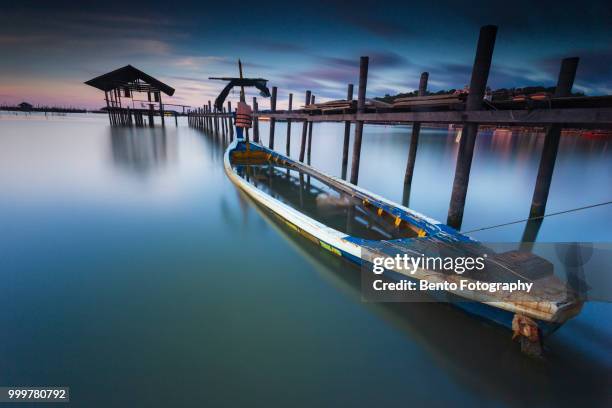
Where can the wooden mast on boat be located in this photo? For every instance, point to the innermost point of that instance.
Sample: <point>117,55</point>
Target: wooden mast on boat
<point>242,82</point>
<point>243,99</point>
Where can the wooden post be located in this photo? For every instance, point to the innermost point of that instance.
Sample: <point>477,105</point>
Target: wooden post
<point>208,118</point>
<point>203,120</point>
<point>255,121</point>
<point>288,145</point>
<point>347,135</point>
<point>530,234</point>
<point>567,73</point>
<point>223,123</point>
<point>304,130</point>
<point>272,120</point>
<point>310,124</point>
<point>478,84</point>
<point>110,119</point>
<point>229,121</point>
<point>161,110</point>
<point>110,110</point>
<point>216,121</point>
<point>414,141</point>
<point>363,81</point>
<point>151,111</point>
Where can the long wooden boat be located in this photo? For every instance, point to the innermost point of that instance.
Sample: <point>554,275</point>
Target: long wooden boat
<point>392,229</point>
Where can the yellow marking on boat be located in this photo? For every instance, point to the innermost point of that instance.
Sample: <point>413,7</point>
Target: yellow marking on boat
<point>290,225</point>
<point>421,233</point>
<point>398,221</point>
<point>330,248</point>
<point>380,212</point>
<point>366,202</point>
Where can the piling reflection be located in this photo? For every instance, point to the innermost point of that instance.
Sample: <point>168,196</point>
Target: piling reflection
<point>141,151</point>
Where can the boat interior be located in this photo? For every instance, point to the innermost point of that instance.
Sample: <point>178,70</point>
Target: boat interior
<point>323,202</point>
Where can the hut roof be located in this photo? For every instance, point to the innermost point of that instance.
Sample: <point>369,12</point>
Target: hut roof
<point>129,77</point>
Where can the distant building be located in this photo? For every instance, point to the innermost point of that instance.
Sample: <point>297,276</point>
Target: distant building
<point>24,106</point>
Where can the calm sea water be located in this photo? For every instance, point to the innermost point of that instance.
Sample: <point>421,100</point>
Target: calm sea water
<point>134,272</point>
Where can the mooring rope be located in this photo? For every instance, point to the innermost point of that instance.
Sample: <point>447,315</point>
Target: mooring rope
<point>538,218</point>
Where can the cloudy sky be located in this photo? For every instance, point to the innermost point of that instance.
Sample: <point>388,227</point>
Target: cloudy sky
<point>49,48</point>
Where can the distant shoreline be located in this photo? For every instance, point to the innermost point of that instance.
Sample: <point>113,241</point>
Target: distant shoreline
<point>48,109</point>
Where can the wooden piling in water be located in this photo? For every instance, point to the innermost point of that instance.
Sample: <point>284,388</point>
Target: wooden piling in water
<point>478,84</point>
<point>255,121</point>
<point>151,123</point>
<point>363,81</point>
<point>223,123</point>
<point>217,131</point>
<point>414,141</point>
<point>209,123</point>
<point>310,124</point>
<point>304,130</point>
<point>347,135</point>
<point>203,120</point>
<point>565,81</point>
<point>272,120</point>
<point>229,121</point>
<point>288,144</point>
<point>161,110</point>
<point>110,119</point>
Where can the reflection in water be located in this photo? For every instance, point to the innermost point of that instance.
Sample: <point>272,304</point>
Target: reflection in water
<point>478,356</point>
<point>142,150</point>
<point>96,282</point>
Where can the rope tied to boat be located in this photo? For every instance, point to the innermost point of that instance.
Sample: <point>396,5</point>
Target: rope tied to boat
<point>538,217</point>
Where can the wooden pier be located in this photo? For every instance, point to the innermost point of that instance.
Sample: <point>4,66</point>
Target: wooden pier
<point>554,112</point>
